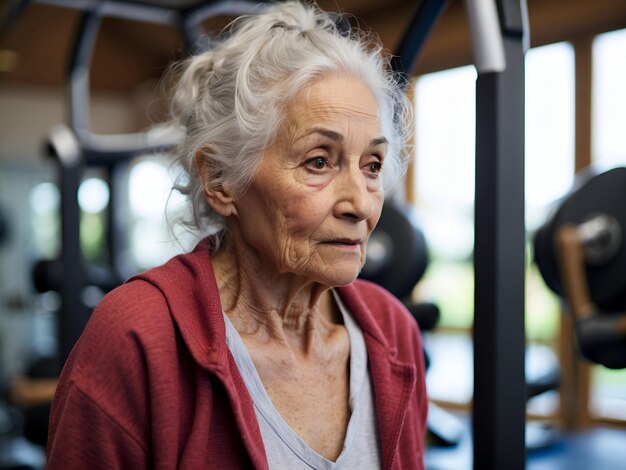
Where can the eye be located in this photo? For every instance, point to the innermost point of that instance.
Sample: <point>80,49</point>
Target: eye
<point>374,167</point>
<point>317,163</point>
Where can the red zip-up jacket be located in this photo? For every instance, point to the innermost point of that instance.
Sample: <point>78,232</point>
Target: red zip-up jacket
<point>151,382</point>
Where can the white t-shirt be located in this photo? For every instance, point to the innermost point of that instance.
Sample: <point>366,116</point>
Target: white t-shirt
<point>283,447</point>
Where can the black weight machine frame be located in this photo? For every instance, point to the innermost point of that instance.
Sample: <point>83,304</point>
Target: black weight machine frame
<point>75,147</point>
<point>500,39</point>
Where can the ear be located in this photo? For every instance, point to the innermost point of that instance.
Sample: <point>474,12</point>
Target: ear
<point>217,196</point>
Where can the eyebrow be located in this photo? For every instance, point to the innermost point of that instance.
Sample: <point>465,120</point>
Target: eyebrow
<point>378,141</point>
<point>336,136</point>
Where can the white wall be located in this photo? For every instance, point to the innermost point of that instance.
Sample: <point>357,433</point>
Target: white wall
<point>27,113</point>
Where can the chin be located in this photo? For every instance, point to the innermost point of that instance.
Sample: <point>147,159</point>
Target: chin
<point>337,277</point>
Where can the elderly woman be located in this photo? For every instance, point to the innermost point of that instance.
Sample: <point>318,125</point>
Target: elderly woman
<point>259,349</point>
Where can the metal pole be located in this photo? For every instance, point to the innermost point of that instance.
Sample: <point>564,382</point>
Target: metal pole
<point>415,35</point>
<point>499,404</point>
<point>73,315</point>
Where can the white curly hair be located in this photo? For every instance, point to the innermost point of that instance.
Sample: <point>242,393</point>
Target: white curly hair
<point>229,101</point>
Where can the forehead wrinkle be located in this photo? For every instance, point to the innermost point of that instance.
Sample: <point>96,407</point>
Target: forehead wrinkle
<point>313,108</point>
<point>324,120</point>
<point>319,106</point>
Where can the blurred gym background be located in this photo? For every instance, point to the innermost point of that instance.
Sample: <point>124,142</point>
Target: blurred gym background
<point>575,120</point>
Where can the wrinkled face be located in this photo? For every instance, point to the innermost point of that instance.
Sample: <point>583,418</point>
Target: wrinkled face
<point>318,194</point>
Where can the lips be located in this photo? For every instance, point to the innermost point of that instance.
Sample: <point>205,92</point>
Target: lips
<point>345,241</point>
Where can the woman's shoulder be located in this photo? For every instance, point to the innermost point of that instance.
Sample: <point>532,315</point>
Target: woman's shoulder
<point>108,371</point>
<point>127,321</point>
<point>129,306</point>
<point>156,296</point>
<point>150,313</point>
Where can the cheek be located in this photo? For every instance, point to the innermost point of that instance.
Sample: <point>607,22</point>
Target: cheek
<point>377,201</point>
<point>303,213</point>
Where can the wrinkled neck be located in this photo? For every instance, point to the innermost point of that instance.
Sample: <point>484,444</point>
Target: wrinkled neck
<point>259,300</point>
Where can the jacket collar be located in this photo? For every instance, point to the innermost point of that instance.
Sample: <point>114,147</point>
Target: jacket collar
<point>393,380</point>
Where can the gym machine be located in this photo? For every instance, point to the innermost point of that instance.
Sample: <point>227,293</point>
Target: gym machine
<point>500,39</point>
<point>75,148</point>
<point>581,253</point>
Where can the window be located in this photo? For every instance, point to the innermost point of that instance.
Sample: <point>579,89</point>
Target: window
<point>44,204</point>
<point>444,195</point>
<point>29,201</point>
<point>549,128</point>
<point>93,199</point>
<point>444,178</point>
<point>549,165</point>
<point>153,208</point>
<point>609,98</point>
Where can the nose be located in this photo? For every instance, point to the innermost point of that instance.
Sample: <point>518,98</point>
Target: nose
<point>354,202</point>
